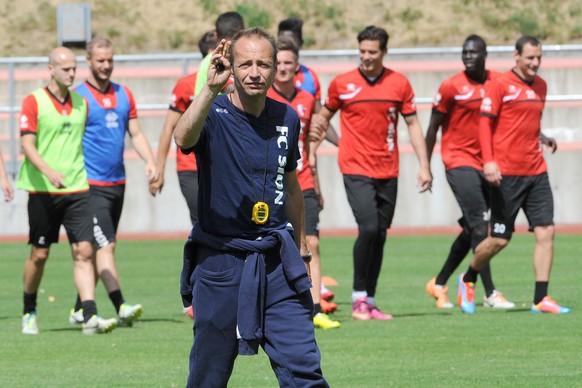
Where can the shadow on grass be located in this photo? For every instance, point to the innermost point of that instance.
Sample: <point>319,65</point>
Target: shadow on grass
<point>150,320</point>
<point>456,311</point>
<point>63,329</point>
<point>171,320</point>
<point>517,310</point>
<point>435,313</point>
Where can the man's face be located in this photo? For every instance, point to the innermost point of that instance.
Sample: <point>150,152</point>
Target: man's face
<point>64,69</point>
<point>528,62</point>
<point>101,63</point>
<point>287,66</point>
<point>371,56</point>
<point>253,66</point>
<point>473,55</point>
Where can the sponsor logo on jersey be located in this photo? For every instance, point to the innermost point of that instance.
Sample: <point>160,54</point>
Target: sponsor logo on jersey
<point>301,110</point>
<point>486,104</point>
<point>282,143</point>
<point>465,96</point>
<point>513,96</point>
<point>111,120</point>
<point>23,122</point>
<point>348,96</point>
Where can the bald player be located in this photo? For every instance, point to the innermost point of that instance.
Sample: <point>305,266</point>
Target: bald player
<point>52,125</point>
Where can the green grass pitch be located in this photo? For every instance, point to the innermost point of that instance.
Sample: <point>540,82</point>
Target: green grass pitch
<point>422,346</point>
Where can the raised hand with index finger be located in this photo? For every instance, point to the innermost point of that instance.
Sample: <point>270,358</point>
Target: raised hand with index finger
<point>220,67</point>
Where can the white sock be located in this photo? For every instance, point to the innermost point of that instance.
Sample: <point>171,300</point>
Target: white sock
<point>370,300</point>
<point>358,295</point>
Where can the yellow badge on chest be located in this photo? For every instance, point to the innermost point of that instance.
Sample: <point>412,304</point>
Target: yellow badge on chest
<point>260,213</point>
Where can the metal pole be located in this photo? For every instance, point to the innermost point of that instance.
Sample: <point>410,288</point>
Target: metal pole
<point>184,67</point>
<point>12,164</point>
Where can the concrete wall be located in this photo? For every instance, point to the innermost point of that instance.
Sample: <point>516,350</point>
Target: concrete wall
<point>168,212</point>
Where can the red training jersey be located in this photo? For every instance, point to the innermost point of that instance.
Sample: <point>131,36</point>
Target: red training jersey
<point>29,112</point>
<point>368,144</point>
<point>182,97</point>
<point>516,107</point>
<point>459,99</point>
<point>304,103</point>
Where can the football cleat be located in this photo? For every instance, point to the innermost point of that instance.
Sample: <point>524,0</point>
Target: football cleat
<point>29,323</point>
<point>375,313</point>
<point>549,306</point>
<point>129,313</point>
<point>360,309</point>
<point>76,317</point>
<point>466,295</point>
<point>98,325</point>
<point>439,293</point>
<point>326,293</point>
<point>323,321</point>
<point>327,307</point>
<point>497,301</point>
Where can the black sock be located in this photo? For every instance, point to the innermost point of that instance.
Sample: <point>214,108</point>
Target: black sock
<point>316,308</point>
<point>29,303</point>
<point>541,291</point>
<point>487,280</point>
<point>471,275</point>
<point>459,250</point>
<point>116,299</point>
<point>89,309</point>
<point>78,304</point>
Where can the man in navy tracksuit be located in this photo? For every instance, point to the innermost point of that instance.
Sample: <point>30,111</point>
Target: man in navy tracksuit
<point>243,269</point>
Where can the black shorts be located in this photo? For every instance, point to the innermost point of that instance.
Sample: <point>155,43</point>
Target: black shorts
<point>106,205</point>
<point>47,212</point>
<point>189,187</point>
<point>312,209</point>
<point>372,199</point>
<point>472,193</point>
<point>533,194</point>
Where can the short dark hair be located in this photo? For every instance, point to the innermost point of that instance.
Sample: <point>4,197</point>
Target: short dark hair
<point>295,25</point>
<point>476,38</point>
<point>285,43</point>
<point>254,32</point>
<point>228,24</point>
<point>526,39</point>
<point>374,33</point>
<point>207,42</point>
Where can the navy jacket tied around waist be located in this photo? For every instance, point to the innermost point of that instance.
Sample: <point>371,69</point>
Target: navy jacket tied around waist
<point>251,297</point>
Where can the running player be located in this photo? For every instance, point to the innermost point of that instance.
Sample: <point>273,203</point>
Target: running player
<point>456,110</point>
<point>514,165</point>
<point>112,114</point>
<point>370,99</point>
